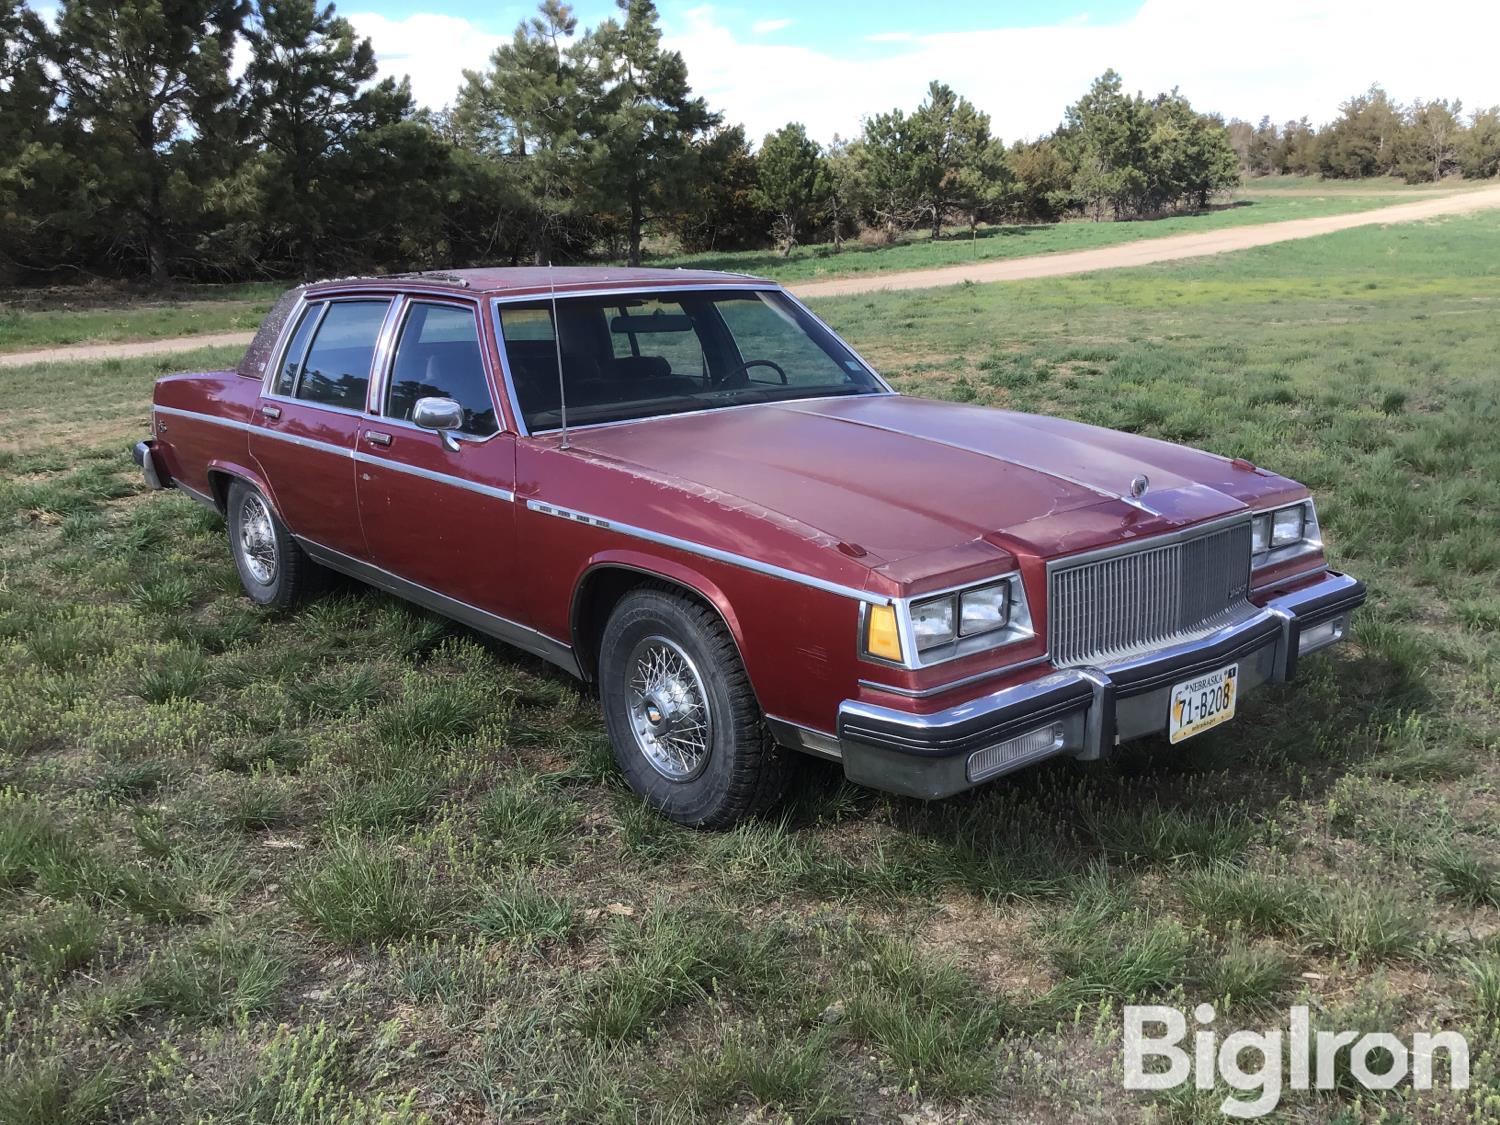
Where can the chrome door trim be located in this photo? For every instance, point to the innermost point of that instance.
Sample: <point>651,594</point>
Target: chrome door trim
<point>431,474</point>
<point>708,552</point>
<point>491,624</point>
<point>345,451</point>
<point>252,428</point>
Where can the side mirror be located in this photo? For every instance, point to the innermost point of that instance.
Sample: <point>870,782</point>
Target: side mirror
<point>440,414</point>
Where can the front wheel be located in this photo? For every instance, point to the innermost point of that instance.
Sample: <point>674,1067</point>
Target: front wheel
<point>274,569</point>
<point>684,722</point>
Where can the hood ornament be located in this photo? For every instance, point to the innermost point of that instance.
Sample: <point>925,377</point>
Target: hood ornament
<point>1139,486</point>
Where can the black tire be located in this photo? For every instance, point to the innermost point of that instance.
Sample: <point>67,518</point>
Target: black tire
<point>281,574</point>
<point>743,771</point>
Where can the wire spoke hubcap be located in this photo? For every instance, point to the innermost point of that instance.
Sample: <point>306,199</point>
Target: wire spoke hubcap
<point>669,709</point>
<point>258,540</point>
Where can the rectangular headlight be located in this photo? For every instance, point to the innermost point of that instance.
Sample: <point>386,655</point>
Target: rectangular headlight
<point>1286,526</point>
<point>932,622</point>
<point>984,609</point>
<point>1260,534</point>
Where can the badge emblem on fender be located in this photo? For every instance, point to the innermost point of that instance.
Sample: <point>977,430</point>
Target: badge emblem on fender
<point>1139,486</point>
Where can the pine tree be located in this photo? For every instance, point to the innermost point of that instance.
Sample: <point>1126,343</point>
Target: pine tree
<point>141,78</point>
<point>791,183</point>
<point>527,113</point>
<point>310,96</point>
<point>645,122</point>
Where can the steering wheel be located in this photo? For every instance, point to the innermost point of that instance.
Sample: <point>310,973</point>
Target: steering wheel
<point>741,374</point>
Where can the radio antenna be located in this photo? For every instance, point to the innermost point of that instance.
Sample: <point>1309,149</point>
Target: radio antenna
<point>562,394</point>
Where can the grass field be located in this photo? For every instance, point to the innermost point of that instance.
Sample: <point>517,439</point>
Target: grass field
<point>33,321</point>
<point>357,865</point>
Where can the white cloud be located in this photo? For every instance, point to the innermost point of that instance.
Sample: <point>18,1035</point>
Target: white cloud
<point>766,27</point>
<point>433,49</point>
<point>1285,58</point>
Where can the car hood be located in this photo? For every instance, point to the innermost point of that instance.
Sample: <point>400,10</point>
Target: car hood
<point>905,477</point>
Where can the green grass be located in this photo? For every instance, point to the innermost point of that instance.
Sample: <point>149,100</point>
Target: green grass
<point>353,863</point>
<point>32,321</point>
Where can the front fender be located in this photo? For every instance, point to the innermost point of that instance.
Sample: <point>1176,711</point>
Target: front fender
<point>654,566</point>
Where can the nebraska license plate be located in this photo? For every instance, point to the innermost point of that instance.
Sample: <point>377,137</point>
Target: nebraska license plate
<point>1202,703</point>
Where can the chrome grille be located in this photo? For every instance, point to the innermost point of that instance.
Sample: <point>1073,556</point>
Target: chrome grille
<point>1112,608</point>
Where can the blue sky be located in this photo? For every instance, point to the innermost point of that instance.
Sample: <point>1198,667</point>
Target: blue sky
<point>821,25</point>
<point>828,64</point>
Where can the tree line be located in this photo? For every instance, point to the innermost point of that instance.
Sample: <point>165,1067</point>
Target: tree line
<point>131,147</point>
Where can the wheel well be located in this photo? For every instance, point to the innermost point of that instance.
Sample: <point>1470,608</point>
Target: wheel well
<point>219,482</point>
<point>597,596</point>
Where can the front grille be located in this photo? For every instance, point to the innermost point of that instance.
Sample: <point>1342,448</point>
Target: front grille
<point>1124,604</point>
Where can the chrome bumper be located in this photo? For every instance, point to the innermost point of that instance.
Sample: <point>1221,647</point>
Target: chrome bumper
<point>1082,712</point>
<point>147,464</point>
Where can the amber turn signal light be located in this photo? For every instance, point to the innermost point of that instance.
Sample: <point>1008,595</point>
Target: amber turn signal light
<point>882,638</point>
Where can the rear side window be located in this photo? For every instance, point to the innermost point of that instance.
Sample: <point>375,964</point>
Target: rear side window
<point>439,355</point>
<point>291,362</point>
<point>337,369</point>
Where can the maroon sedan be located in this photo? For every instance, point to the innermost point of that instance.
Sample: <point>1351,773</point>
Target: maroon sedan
<point>684,488</point>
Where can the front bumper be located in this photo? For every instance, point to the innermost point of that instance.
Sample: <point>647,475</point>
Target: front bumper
<point>1082,712</point>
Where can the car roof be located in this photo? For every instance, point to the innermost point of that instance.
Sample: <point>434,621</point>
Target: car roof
<point>536,280</point>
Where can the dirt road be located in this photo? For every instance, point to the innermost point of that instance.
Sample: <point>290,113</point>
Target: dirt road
<point>127,351</point>
<point>1168,249</point>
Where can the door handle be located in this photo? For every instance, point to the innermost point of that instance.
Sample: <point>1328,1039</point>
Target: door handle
<point>272,412</point>
<point>375,437</point>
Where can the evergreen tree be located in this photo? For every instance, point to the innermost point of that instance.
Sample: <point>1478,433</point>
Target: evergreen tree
<point>953,137</point>
<point>645,122</point>
<point>1479,147</point>
<point>791,181</point>
<point>843,169</point>
<point>148,81</point>
<point>1362,141</point>
<point>723,210</point>
<point>311,95</point>
<point>529,111</point>
<point>894,157</point>
<point>1427,149</point>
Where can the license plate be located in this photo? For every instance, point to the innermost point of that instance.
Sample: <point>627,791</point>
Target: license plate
<point>1202,703</point>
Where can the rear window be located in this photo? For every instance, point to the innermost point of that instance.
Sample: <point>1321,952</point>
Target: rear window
<point>253,364</point>
<point>337,369</point>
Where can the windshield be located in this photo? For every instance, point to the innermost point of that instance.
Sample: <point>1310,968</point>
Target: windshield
<point>637,355</point>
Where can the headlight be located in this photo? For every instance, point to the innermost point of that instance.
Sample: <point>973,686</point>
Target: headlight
<point>932,622</point>
<point>1286,526</point>
<point>919,632</point>
<point>984,609</point>
<point>1260,534</point>
<point>1283,534</point>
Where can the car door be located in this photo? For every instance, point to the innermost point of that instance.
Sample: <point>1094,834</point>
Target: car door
<point>310,416</point>
<point>441,517</point>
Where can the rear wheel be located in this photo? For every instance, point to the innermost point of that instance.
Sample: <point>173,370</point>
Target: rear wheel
<point>274,569</point>
<point>686,728</point>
